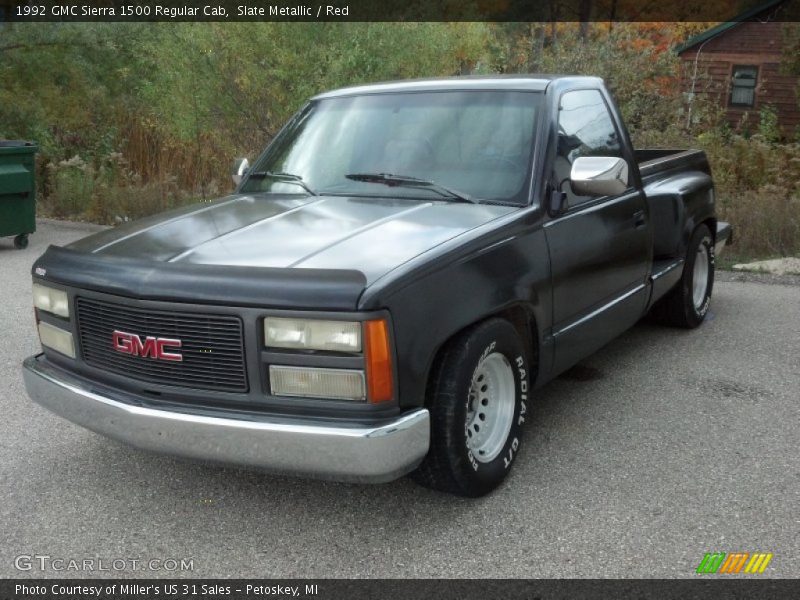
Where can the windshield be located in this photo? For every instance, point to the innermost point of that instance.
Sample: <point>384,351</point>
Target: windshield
<point>477,144</point>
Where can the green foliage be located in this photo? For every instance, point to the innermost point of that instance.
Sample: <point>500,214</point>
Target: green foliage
<point>768,124</point>
<point>758,190</point>
<point>641,78</point>
<point>135,118</point>
<point>71,186</point>
<point>179,100</point>
<point>108,191</point>
<point>790,61</point>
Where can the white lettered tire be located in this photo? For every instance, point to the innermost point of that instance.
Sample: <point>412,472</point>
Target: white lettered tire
<point>478,398</point>
<point>687,304</point>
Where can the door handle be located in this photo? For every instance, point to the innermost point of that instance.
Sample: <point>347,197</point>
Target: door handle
<point>639,219</point>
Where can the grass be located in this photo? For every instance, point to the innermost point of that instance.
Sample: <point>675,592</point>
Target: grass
<point>109,193</point>
<point>758,192</point>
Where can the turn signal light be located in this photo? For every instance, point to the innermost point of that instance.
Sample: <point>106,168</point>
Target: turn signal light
<point>380,382</point>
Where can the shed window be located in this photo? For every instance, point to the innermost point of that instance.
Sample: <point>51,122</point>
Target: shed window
<point>743,86</point>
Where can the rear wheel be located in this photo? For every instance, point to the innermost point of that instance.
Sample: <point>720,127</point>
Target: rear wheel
<point>687,304</point>
<point>477,400</point>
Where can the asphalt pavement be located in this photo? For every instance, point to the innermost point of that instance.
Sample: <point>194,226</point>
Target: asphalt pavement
<point>663,446</point>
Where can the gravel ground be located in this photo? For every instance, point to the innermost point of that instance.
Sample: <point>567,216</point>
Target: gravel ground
<point>751,277</point>
<point>662,446</point>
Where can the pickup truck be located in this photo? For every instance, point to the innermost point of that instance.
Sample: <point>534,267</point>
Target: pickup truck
<point>393,279</point>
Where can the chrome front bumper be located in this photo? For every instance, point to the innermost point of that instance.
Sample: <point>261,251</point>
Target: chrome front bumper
<point>344,452</point>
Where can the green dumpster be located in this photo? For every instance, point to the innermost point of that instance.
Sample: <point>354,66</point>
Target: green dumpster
<point>17,191</point>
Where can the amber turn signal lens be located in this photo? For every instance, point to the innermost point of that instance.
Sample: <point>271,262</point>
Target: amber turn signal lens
<point>379,361</point>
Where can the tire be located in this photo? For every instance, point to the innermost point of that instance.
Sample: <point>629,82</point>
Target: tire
<point>21,241</point>
<point>686,305</point>
<point>481,379</point>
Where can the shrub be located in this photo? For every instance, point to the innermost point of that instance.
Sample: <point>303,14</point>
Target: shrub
<point>757,182</point>
<point>768,124</point>
<point>758,191</point>
<point>108,192</point>
<point>71,183</point>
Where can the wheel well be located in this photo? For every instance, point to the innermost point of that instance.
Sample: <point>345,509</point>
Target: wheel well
<point>711,223</point>
<point>524,322</point>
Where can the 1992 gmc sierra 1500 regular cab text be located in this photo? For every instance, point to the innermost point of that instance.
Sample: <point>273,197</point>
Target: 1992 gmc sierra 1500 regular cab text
<point>393,279</point>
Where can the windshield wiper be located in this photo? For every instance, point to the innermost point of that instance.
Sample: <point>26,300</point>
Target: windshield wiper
<point>408,181</point>
<point>285,177</point>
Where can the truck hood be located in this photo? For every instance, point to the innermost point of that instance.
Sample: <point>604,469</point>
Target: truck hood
<point>369,235</point>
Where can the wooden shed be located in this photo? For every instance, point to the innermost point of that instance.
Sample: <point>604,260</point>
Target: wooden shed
<point>739,64</point>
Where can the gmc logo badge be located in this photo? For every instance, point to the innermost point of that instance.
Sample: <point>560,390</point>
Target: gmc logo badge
<point>152,347</point>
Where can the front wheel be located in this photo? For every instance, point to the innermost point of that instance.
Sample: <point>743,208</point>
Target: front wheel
<point>687,304</point>
<point>478,402</point>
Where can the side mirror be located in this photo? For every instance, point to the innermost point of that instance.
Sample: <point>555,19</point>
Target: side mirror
<point>240,167</point>
<point>599,176</point>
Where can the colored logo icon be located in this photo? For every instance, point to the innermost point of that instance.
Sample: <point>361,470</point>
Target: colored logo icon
<point>734,562</point>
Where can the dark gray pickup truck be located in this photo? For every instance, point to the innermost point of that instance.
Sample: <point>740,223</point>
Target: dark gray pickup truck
<point>393,279</point>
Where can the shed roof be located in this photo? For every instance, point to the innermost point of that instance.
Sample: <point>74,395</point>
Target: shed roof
<point>727,25</point>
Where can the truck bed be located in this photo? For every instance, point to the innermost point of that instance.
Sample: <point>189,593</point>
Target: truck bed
<point>656,161</point>
<point>666,174</point>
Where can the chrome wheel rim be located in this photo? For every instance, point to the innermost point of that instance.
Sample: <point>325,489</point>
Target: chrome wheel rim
<point>490,410</point>
<point>700,278</point>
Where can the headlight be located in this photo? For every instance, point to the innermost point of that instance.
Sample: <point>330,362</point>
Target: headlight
<point>50,300</point>
<point>306,334</point>
<point>57,339</point>
<point>341,384</point>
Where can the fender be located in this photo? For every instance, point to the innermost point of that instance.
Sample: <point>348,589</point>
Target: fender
<point>677,205</point>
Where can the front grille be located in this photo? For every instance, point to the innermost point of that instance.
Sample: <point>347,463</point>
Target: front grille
<point>211,345</point>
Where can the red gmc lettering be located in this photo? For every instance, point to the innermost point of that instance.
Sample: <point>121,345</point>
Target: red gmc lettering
<point>152,347</point>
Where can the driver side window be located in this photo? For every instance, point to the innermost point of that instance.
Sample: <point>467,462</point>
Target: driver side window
<point>585,128</point>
